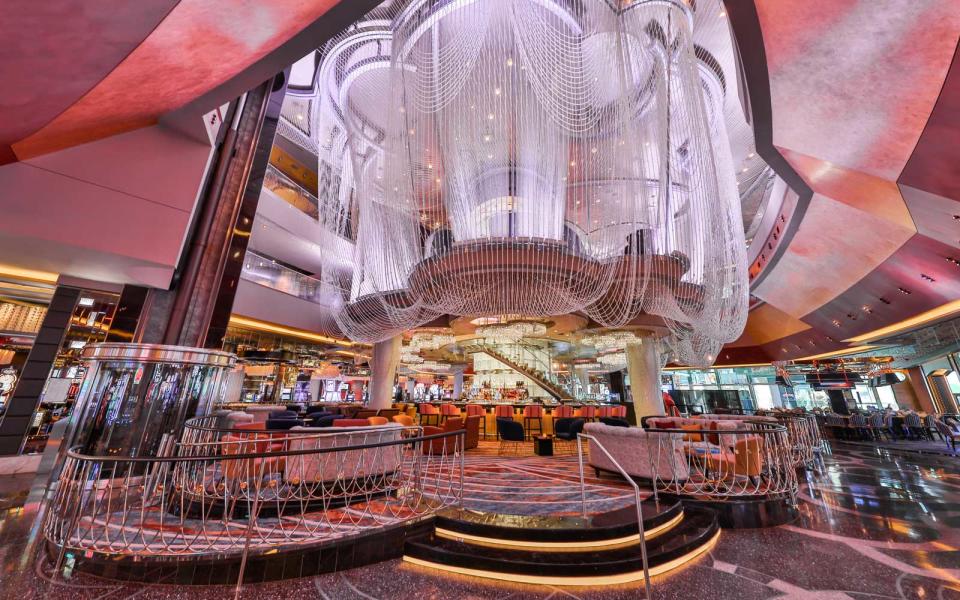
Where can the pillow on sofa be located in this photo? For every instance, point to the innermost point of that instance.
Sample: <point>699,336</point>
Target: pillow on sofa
<point>692,437</point>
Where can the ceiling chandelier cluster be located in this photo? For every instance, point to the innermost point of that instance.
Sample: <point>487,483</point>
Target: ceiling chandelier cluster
<point>612,340</point>
<point>613,359</point>
<point>537,157</point>
<point>409,357</point>
<point>510,333</point>
<point>432,366</point>
<point>425,340</point>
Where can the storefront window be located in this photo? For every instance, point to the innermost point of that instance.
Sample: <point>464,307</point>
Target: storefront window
<point>764,395</point>
<point>886,397</point>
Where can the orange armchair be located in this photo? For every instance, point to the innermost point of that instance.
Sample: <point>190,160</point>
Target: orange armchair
<point>444,445</point>
<point>743,460</point>
<point>405,420</point>
<point>479,411</point>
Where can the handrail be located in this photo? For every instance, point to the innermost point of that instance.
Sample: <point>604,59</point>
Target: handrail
<point>753,460</point>
<point>210,501</point>
<point>72,453</point>
<point>636,492</point>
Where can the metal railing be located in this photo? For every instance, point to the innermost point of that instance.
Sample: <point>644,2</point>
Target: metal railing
<point>805,440</point>
<point>291,192</point>
<point>753,460</point>
<point>267,272</point>
<point>636,491</point>
<point>803,432</point>
<point>233,492</point>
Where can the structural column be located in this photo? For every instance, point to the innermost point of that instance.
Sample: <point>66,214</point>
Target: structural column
<point>643,366</point>
<point>196,310</point>
<point>457,382</point>
<point>23,404</point>
<point>383,370</point>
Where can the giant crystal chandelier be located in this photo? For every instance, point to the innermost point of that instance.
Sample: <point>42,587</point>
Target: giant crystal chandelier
<point>540,157</point>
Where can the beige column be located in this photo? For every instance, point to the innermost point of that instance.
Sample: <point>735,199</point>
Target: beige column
<point>643,366</point>
<point>383,370</point>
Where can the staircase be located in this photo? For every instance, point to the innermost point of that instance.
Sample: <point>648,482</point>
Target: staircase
<point>540,377</point>
<point>600,550</point>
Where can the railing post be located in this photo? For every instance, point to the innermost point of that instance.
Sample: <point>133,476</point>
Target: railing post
<point>583,486</point>
<point>463,451</point>
<point>251,520</point>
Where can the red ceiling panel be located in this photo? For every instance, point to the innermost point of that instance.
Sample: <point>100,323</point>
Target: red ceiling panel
<point>55,51</point>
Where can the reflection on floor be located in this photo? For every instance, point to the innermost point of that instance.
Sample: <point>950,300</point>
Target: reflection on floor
<point>874,524</point>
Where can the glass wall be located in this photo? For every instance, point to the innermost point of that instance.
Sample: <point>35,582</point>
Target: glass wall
<point>744,388</point>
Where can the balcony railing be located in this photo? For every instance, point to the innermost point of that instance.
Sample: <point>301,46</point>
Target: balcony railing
<point>269,273</point>
<point>291,192</point>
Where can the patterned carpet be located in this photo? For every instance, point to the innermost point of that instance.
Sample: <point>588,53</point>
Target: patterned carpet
<point>535,485</point>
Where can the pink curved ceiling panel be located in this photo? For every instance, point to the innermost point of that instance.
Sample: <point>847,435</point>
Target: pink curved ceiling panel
<point>836,246</point>
<point>854,82</point>
<point>57,50</point>
<point>200,44</point>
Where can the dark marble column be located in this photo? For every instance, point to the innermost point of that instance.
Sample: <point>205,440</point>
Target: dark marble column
<point>26,398</point>
<point>196,310</point>
<point>123,328</point>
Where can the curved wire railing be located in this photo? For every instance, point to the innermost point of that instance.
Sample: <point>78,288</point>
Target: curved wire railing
<point>803,432</point>
<point>752,460</point>
<point>232,492</point>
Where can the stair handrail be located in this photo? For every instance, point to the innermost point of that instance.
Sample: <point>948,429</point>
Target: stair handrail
<point>636,492</point>
<point>546,384</point>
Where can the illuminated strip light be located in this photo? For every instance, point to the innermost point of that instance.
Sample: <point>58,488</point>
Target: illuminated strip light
<point>28,274</point>
<point>718,366</point>
<point>923,318</point>
<point>273,328</point>
<point>591,580</point>
<point>559,546</point>
<point>844,352</point>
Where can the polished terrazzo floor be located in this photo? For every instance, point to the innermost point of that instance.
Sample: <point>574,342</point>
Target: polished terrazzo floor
<point>874,524</point>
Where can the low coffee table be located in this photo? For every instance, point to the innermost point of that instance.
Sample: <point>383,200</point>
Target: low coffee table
<point>543,445</point>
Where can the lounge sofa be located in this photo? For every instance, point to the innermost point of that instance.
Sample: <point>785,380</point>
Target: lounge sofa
<point>345,465</point>
<point>641,454</point>
<point>261,412</point>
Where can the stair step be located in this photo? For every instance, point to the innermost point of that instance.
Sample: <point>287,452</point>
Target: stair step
<point>693,536</point>
<point>613,528</point>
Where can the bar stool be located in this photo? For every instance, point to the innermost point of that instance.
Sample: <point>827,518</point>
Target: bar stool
<point>532,413</point>
<point>477,410</point>
<point>605,412</point>
<point>587,412</point>
<point>563,412</point>
<point>427,411</point>
<point>447,411</point>
<point>620,411</point>
<point>503,411</point>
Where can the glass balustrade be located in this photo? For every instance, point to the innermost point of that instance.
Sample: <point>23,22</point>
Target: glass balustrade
<point>269,273</point>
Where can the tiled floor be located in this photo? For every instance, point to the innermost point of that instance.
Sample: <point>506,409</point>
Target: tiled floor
<point>874,525</point>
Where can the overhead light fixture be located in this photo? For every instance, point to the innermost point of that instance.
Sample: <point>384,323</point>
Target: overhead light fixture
<point>535,255</point>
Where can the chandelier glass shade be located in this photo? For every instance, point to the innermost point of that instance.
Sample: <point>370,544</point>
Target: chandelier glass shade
<point>613,359</point>
<point>510,333</point>
<point>432,366</point>
<point>613,340</point>
<point>537,157</point>
<point>429,341</point>
<point>409,357</point>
